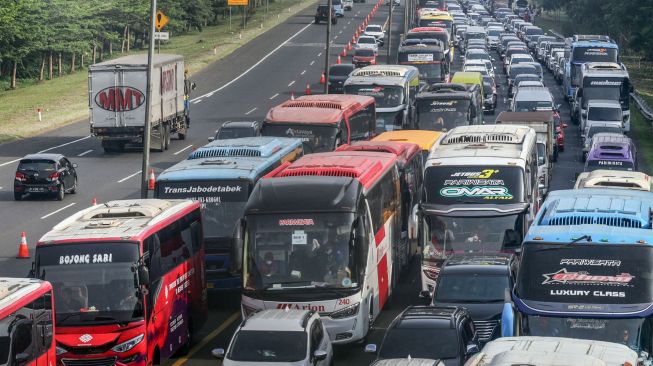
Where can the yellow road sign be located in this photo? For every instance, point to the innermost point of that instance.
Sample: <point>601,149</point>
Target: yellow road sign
<point>237,2</point>
<point>161,20</point>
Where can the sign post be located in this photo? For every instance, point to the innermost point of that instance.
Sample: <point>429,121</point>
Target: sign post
<point>148,102</point>
<point>242,3</point>
<point>160,21</point>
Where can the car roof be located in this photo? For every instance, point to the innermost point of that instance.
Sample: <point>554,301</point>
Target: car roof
<point>54,157</point>
<point>492,264</point>
<point>240,124</point>
<point>433,315</point>
<point>278,319</point>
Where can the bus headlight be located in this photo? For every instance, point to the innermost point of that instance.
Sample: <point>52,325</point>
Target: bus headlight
<point>61,350</point>
<point>346,312</point>
<point>126,346</point>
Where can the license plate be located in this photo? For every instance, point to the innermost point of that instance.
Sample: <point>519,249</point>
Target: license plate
<point>209,285</point>
<point>35,189</point>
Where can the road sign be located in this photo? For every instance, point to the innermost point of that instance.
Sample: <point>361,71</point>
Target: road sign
<point>161,36</point>
<point>161,20</point>
<point>237,2</point>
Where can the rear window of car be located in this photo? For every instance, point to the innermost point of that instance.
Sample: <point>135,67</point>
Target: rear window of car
<point>364,52</point>
<point>340,71</point>
<point>366,40</point>
<point>37,165</point>
<point>373,28</point>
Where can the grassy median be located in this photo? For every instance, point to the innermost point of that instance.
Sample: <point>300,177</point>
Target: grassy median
<point>65,100</point>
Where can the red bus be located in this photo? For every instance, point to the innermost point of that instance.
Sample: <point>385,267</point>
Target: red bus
<point>320,234</point>
<point>323,122</point>
<point>128,279</point>
<point>26,325</point>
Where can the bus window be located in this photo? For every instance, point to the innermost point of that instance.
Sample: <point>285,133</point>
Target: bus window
<point>362,123</point>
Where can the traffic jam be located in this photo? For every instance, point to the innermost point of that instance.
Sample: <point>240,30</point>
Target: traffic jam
<point>314,214</point>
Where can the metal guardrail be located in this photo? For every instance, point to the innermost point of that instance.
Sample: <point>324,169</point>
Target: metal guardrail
<point>556,34</point>
<point>642,105</point>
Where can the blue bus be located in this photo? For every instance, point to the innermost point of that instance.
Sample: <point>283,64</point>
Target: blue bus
<point>221,176</point>
<point>586,269</point>
<point>585,48</point>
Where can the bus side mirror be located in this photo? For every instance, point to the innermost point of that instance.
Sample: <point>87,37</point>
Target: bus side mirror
<point>237,247</point>
<point>21,359</point>
<point>143,275</point>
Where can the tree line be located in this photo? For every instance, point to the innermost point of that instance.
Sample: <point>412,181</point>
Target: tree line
<point>629,22</point>
<point>45,39</point>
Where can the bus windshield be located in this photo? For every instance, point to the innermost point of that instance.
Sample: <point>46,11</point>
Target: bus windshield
<point>93,282</point>
<point>471,234</point>
<point>594,54</point>
<point>447,185</point>
<point>298,251</point>
<point>386,96</point>
<point>428,71</point>
<point>604,114</point>
<point>223,202</point>
<point>442,115</point>
<point>315,138</point>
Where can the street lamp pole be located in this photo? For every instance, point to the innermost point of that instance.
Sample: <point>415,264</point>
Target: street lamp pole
<point>148,104</point>
<point>327,47</point>
<point>387,60</point>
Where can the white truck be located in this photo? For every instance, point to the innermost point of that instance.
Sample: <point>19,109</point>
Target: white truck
<point>117,95</point>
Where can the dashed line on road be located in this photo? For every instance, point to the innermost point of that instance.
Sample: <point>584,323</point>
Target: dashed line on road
<point>312,62</point>
<point>197,101</point>
<point>182,150</point>
<point>251,110</point>
<point>85,152</point>
<point>130,176</point>
<point>319,54</point>
<point>274,96</point>
<point>182,360</point>
<point>59,210</point>
<point>301,73</point>
<point>62,145</point>
<point>291,83</point>
<point>253,66</point>
<point>340,32</point>
<point>334,38</point>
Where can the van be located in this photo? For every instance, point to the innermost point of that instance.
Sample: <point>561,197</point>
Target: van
<point>471,78</point>
<point>603,178</point>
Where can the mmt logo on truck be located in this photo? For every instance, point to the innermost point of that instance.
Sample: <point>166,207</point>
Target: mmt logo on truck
<point>119,98</point>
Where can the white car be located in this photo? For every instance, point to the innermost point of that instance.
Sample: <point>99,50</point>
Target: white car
<point>375,31</point>
<point>487,64</point>
<point>368,42</point>
<point>348,4</point>
<point>279,337</point>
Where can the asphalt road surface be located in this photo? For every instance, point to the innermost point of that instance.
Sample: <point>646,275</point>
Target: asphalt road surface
<point>242,86</point>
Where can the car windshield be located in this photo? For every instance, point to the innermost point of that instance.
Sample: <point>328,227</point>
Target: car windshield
<point>623,331</point>
<point>316,138</point>
<point>599,129</point>
<point>442,115</point>
<point>494,32</point>
<point>470,288</point>
<point>386,96</point>
<point>419,339</point>
<point>516,69</point>
<point>223,201</point>
<point>477,56</point>
<point>487,89</point>
<point>532,105</point>
<point>340,71</point>
<point>234,133</point>
<point>468,234</point>
<point>268,346</point>
<point>300,251</point>
<point>373,28</point>
<point>37,165</point>
<point>366,40</point>
<point>604,114</point>
<point>93,282</point>
<point>364,52</point>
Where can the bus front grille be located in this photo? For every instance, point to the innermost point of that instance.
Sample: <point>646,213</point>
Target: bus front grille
<point>111,361</point>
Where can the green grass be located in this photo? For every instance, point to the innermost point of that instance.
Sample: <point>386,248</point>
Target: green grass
<point>641,130</point>
<point>65,100</point>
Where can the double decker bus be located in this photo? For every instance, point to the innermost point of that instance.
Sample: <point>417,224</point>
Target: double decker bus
<point>581,49</point>
<point>128,279</point>
<point>320,234</point>
<point>323,122</point>
<point>26,322</point>
<point>411,175</point>
<point>393,87</point>
<point>429,59</point>
<point>585,269</point>
<point>221,175</point>
<point>480,194</point>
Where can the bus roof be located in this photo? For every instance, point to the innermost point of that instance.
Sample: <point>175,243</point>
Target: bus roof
<point>535,116</point>
<point>365,167</point>
<point>318,109</point>
<point>425,139</point>
<point>427,29</point>
<point>404,151</point>
<point>15,293</point>
<point>398,71</point>
<point>242,158</point>
<point>597,206</point>
<point>118,220</point>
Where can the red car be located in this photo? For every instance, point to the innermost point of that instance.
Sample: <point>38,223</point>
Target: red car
<point>364,57</point>
<point>560,132</point>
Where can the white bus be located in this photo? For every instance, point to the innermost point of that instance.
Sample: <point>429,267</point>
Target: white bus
<point>480,194</point>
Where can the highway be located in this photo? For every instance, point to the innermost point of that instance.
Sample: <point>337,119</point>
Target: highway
<point>242,86</point>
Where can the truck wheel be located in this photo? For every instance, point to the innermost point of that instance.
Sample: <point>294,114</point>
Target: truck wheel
<point>161,145</point>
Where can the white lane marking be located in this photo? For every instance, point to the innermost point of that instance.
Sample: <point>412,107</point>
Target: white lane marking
<point>334,38</point>
<point>130,176</point>
<point>291,83</point>
<point>274,96</point>
<point>253,66</point>
<point>312,62</point>
<point>251,110</point>
<point>62,145</point>
<point>340,32</point>
<point>84,153</point>
<point>302,73</point>
<point>197,101</point>
<point>9,162</point>
<point>349,22</point>
<point>184,149</point>
<point>319,54</point>
<point>59,210</point>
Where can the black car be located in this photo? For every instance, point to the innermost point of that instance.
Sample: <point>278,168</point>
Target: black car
<point>322,14</point>
<point>337,76</point>
<point>45,174</point>
<point>477,282</point>
<point>444,333</point>
<point>237,129</point>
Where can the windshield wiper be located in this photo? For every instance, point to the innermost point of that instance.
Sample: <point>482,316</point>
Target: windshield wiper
<point>585,237</point>
<point>68,316</point>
